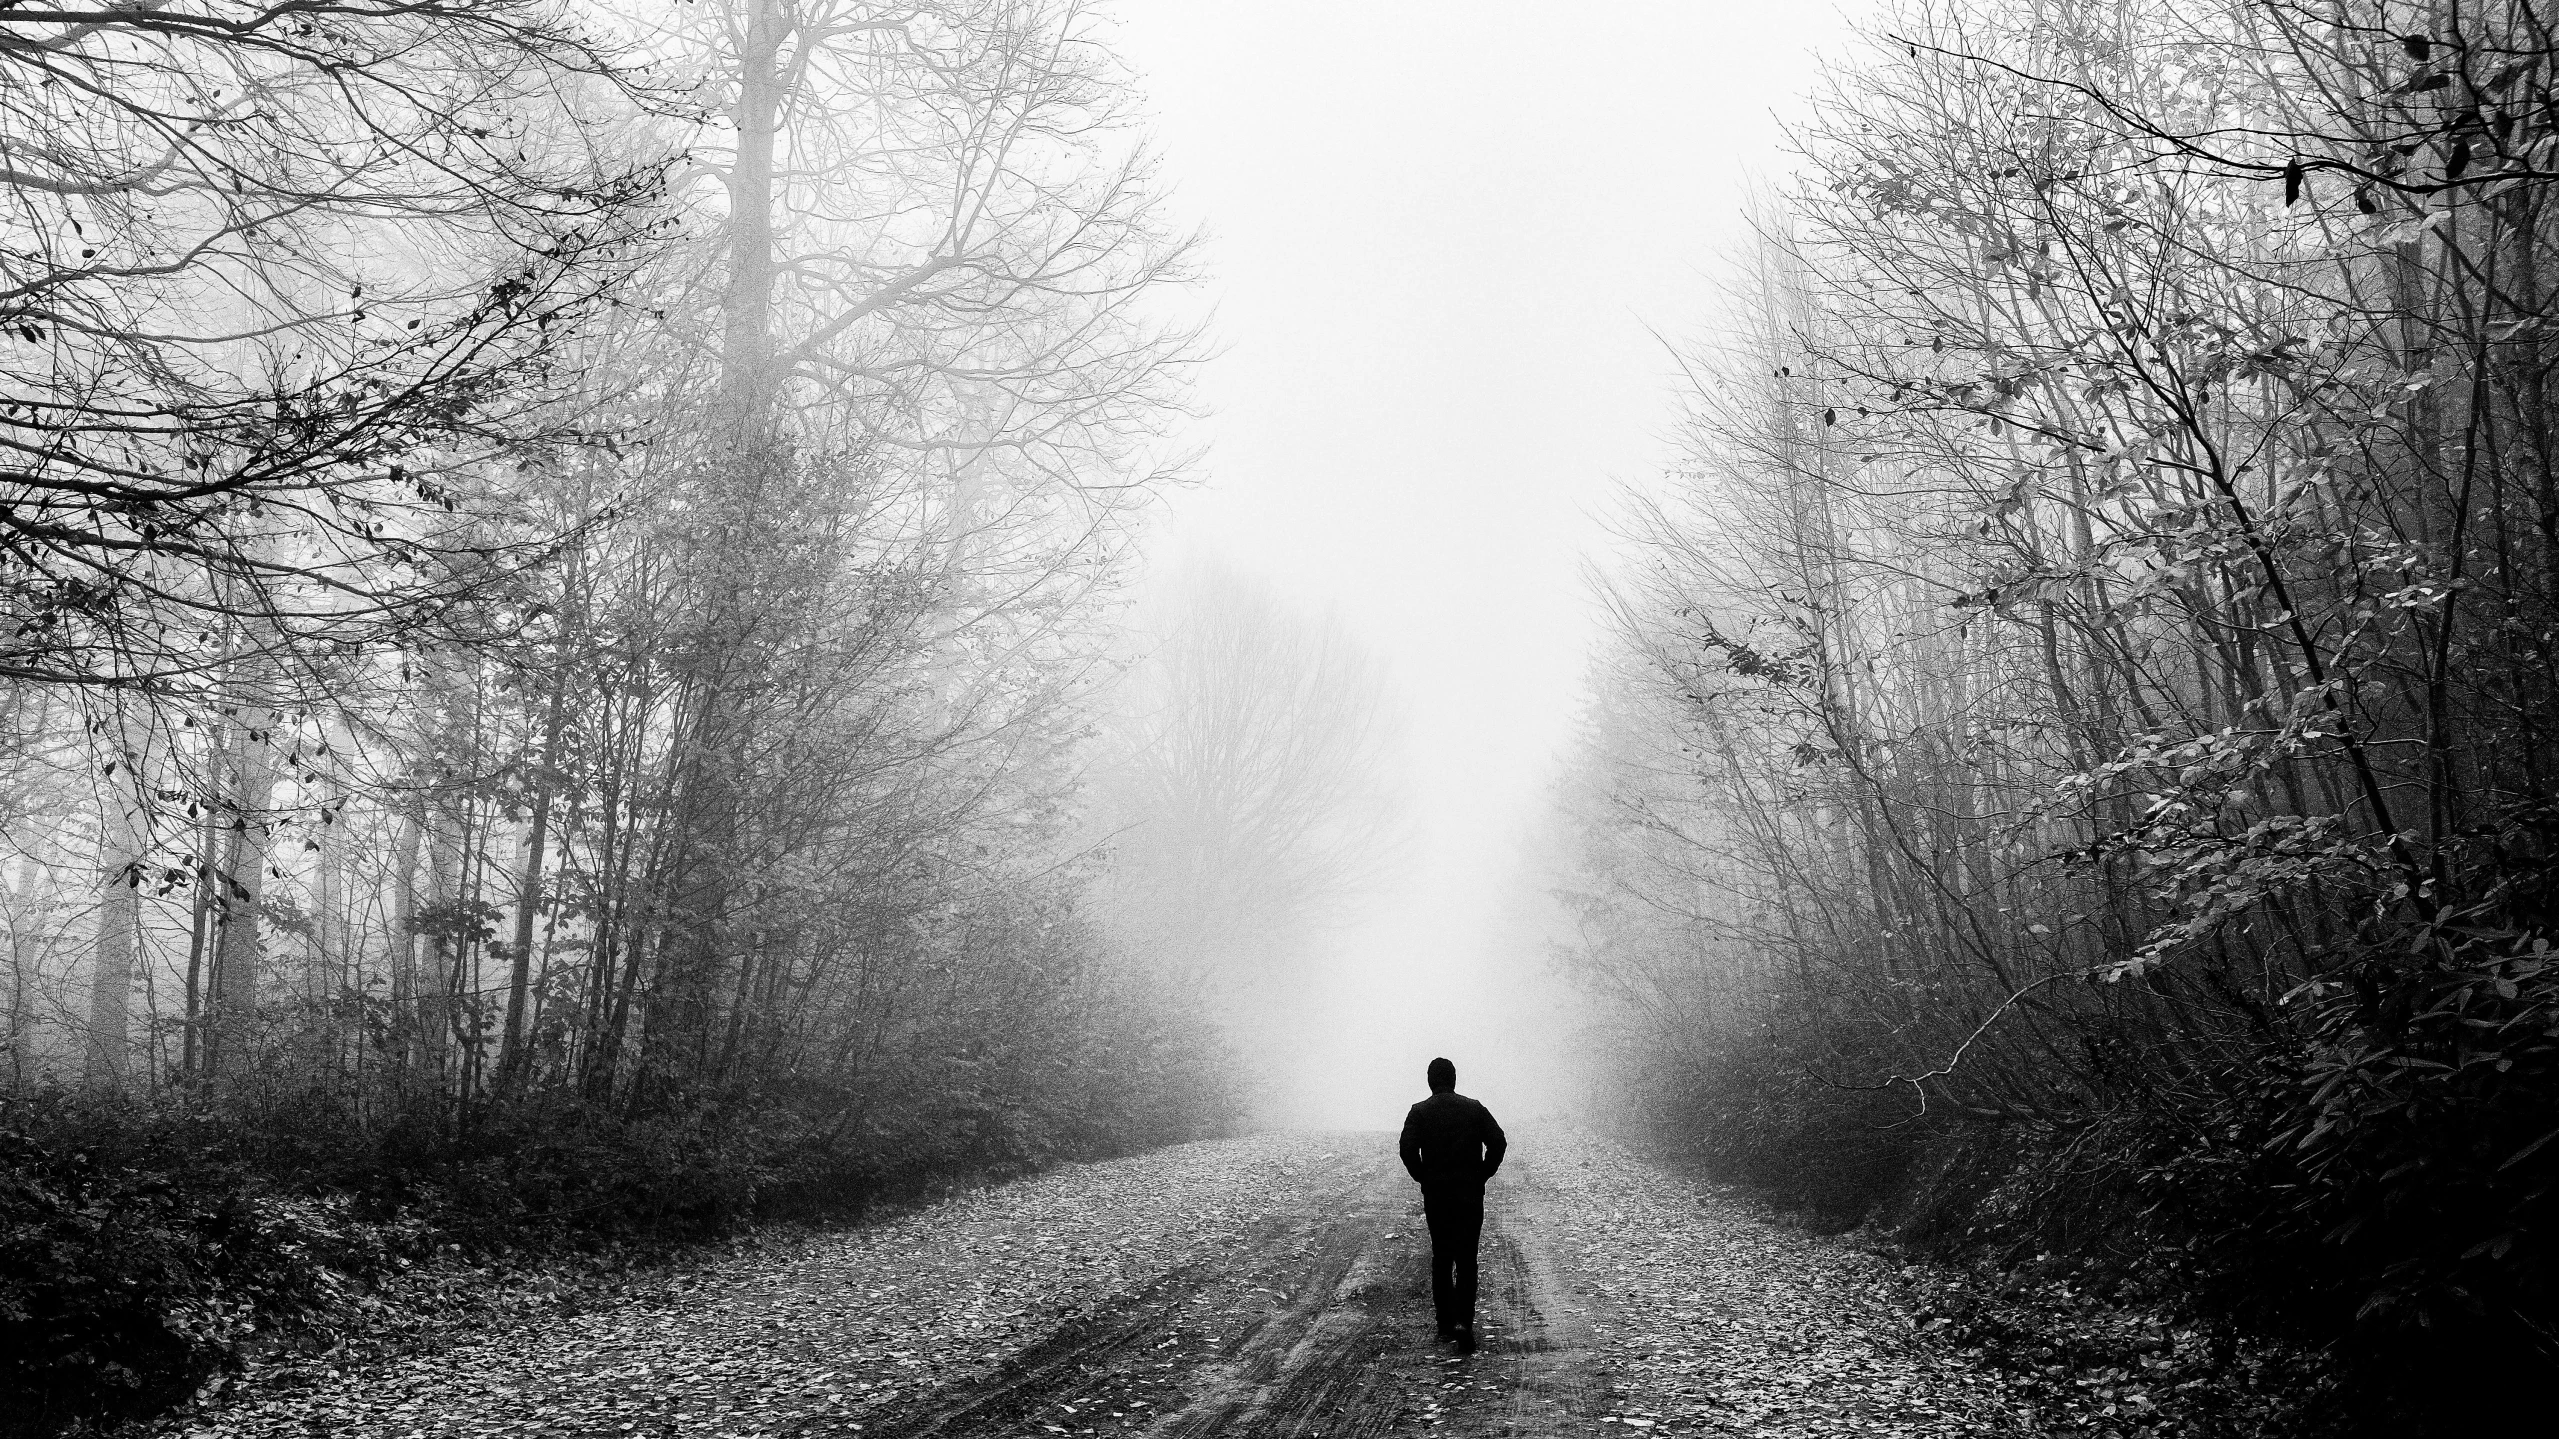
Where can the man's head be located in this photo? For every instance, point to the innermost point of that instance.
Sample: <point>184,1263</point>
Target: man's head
<point>1442,1075</point>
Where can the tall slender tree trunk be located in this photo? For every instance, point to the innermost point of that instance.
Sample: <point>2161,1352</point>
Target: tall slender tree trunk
<point>701,873</point>
<point>528,890</point>
<point>26,949</point>
<point>330,971</point>
<point>204,918</point>
<point>123,836</point>
<point>243,885</point>
<point>438,986</point>
<point>408,1017</point>
<point>746,339</point>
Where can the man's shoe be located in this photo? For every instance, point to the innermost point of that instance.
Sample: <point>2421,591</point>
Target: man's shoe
<point>1465,1338</point>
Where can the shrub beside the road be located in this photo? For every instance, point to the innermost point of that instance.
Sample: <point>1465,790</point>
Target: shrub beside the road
<point>129,1266</point>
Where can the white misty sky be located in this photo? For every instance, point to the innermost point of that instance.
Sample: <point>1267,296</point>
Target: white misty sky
<point>1442,237</point>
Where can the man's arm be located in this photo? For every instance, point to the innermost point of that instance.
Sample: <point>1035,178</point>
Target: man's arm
<point>1495,1143</point>
<point>1409,1148</point>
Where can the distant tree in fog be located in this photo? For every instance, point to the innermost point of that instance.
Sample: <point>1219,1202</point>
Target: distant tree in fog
<point>1246,781</point>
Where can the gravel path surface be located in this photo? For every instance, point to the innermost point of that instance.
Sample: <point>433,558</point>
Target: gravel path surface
<point>1266,1286</point>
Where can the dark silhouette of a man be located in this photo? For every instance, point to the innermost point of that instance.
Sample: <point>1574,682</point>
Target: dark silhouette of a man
<point>1451,1146</point>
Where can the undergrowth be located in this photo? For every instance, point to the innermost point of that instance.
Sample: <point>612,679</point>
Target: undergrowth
<point>2263,1249</point>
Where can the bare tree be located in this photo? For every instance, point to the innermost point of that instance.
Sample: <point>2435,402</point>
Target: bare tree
<point>280,282</point>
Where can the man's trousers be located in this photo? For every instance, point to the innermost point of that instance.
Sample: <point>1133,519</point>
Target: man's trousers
<point>1456,1218</point>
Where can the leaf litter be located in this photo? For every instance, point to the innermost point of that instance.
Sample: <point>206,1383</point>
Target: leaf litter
<point>828,1328</point>
<point>1713,1317</point>
<point>1709,1314</point>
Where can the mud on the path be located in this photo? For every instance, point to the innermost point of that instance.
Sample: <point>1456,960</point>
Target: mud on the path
<point>1319,1326</point>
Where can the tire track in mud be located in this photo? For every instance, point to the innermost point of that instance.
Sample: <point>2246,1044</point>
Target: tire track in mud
<point>1320,1326</point>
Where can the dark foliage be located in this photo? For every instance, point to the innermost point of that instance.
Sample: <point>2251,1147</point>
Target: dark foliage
<point>2367,1198</point>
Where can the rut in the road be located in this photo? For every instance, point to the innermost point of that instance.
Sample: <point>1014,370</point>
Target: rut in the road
<point>1369,1356</point>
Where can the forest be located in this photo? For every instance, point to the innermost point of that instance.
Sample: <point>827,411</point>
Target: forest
<point>567,671</point>
<point>2072,778</point>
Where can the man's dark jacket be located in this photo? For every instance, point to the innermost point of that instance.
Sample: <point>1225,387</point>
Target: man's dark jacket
<point>1451,1143</point>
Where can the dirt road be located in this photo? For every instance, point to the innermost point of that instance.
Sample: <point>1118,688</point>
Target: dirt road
<point>1247,1289</point>
<point>1320,1326</point>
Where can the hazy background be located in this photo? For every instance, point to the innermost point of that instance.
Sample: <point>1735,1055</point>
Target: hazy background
<point>1442,237</point>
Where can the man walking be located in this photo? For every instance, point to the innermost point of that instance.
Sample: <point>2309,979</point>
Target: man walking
<point>1451,1146</point>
